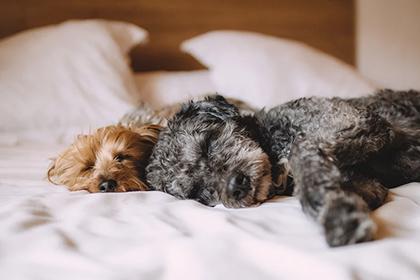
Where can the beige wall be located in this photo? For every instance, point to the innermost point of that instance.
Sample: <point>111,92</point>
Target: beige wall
<point>388,42</point>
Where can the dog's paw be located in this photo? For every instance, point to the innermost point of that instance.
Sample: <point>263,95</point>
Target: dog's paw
<point>347,224</point>
<point>349,230</point>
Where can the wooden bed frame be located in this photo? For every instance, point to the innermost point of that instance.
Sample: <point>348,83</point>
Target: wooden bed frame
<point>324,24</point>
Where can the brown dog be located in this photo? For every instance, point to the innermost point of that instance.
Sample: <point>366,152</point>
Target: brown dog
<point>111,159</point>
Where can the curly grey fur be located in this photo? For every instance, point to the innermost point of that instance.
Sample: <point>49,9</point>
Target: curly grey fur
<point>200,134</point>
<point>338,156</point>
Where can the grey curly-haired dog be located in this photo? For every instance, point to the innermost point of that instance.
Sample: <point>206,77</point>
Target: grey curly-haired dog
<point>338,156</point>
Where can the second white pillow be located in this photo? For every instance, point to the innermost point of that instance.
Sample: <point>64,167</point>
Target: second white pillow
<point>266,71</point>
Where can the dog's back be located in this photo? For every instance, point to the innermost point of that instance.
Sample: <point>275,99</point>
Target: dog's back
<point>399,163</point>
<point>401,108</point>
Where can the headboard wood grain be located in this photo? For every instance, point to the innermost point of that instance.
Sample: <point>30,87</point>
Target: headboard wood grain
<point>324,24</point>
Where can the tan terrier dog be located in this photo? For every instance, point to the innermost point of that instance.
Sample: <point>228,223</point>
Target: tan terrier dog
<point>112,159</point>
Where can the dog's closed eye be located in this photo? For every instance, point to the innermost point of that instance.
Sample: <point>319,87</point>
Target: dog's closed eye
<point>88,167</point>
<point>121,157</point>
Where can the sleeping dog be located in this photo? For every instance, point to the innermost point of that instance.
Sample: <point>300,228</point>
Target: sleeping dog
<point>338,156</point>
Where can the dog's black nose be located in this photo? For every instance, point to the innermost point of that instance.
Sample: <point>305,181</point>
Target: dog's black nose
<point>238,186</point>
<point>108,186</point>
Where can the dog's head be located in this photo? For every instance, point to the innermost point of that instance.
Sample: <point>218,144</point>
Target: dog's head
<point>113,159</point>
<point>211,154</point>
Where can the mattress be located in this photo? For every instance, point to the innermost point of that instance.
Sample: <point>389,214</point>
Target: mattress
<point>47,232</point>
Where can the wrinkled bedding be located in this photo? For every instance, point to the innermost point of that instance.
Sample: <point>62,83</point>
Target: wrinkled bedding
<point>62,80</point>
<point>47,232</point>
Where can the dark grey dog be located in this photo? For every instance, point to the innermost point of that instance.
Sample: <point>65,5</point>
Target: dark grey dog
<point>338,156</point>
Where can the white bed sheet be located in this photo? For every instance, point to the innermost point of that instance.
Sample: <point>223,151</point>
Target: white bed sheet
<point>47,232</point>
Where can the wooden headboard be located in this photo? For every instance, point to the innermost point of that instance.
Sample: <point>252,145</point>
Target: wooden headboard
<point>324,24</point>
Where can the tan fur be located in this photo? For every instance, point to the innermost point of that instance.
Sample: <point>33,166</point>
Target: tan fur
<point>112,153</point>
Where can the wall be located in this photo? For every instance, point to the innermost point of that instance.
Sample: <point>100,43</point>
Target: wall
<point>388,42</point>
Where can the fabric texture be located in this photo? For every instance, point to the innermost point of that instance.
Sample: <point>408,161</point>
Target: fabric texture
<point>47,232</point>
<point>267,71</point>
<point>71,75</point>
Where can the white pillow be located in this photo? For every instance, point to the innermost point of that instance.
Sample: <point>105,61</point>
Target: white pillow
<point>266,71</point>
<point>72,75</point>
<point>162,88</point>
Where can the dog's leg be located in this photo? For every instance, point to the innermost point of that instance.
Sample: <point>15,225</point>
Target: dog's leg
<point>358,143</point>
<point>318,185</point>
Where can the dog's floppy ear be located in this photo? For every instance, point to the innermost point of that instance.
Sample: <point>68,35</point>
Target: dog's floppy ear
<point>56,173</point>
<point>64,164</point>
<point>51,173</point>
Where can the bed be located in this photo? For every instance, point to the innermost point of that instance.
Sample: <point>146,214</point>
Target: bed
<point>60,80</point>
